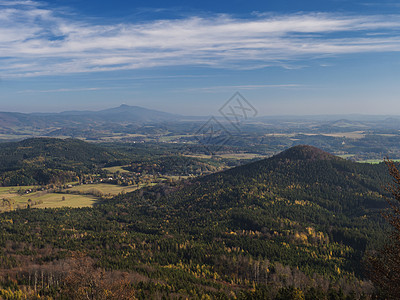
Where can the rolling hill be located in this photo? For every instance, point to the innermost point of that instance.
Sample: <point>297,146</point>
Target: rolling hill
<point>300,187</point>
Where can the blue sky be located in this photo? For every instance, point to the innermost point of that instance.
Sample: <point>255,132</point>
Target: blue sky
<point>189,57</point>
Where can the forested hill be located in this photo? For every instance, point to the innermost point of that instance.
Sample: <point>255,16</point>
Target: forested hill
<point>45,160</point>
<point>305,152</point>
<point>299,223</point>
<point>320,181</point>
<point>55,152</point>
<point>66,154</point>
<point>49,160</point>
<point>285,208</point>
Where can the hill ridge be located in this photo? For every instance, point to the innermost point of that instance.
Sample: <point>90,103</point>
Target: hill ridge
<point>305,152</point>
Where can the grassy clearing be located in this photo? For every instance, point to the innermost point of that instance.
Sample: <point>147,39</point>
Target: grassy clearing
<point>349,135</point>
<point>52,200</point>
<point>41,199</point>
<point>104,188</point>
<point>371,161</point>
<point>240,155</point>
<point>346,155</point>
<point>376,161</point>
<point>204,156</point>
<point>116,169</point>
<point>170,138</point>
<point>14,189</point>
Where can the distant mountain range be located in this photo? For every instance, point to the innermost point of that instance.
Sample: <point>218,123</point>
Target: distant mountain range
<point>85,124</point>
<point>137,124</point>
<point>121,114</point>
<point>136,114</point>
<point>125,114</point>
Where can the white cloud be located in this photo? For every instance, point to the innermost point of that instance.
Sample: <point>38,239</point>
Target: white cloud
<point>66,90</point>
<point>219,88</point>
<point>35,40</point>
<point>16,2</point>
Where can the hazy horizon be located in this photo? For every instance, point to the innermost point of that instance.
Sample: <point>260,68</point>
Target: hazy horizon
<point>333,115</point>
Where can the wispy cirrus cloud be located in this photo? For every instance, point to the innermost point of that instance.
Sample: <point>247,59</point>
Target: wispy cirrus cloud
<point>219,88</point>
<point>36,40</point>
<point>65,90</point>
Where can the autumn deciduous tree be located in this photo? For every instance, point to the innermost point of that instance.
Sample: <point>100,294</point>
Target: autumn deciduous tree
<point>84,281</point>
<point>384,267</point>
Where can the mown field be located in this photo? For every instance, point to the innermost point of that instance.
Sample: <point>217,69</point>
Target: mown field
<point>103,188</point>
<point>115,169</point>
<point>11,198</point>
<point>53,200</point>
